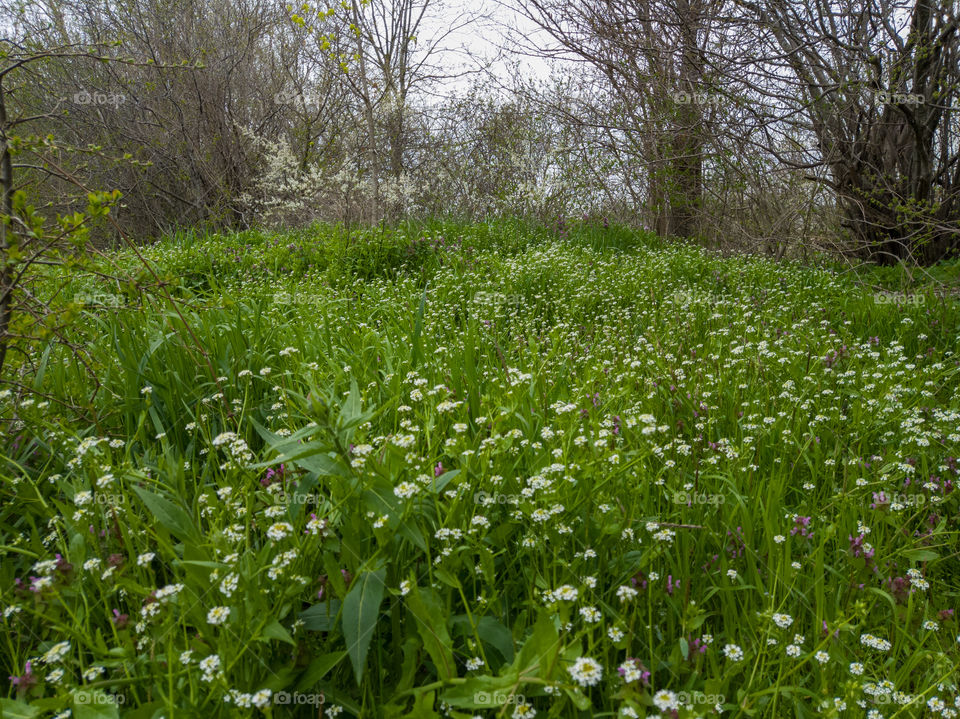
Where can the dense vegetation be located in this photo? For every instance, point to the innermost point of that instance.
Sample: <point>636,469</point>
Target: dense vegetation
<point>483,470</point>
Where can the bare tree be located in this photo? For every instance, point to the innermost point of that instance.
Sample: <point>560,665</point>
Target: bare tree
<point>656,58</point>
<point>873,85</point>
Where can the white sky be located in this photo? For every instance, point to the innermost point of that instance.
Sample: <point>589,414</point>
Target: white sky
<point>489,39</point>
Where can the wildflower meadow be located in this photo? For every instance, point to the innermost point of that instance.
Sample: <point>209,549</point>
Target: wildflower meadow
<point>482,470</point>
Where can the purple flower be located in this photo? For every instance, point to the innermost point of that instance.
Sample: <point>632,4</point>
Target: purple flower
<point>800,526</point>
<point>25,681</point>
<point>272,476</point>
<point>644,672</point>
<point>880,500</point>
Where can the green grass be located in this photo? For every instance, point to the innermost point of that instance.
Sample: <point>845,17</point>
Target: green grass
<point>440,473</point>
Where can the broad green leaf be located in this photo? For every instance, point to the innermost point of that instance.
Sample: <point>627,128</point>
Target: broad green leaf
<point>361,610</point>
<point>423,706</point>
<point>351,409</point>
<point>430,616</point>
<point>542,644</point>
<point>321,617</point>
<point>443,480</point>
<point>483,692</point>
<point>150,710</point>
<point>94,705</point>
<point>579,699</point>
<point>921,555</point>
<point>275,630</point>
<point>14,709</point>
<point>319,668</point>
<point>496,635</point>
<point>170,516</point>
<point>417,330</point>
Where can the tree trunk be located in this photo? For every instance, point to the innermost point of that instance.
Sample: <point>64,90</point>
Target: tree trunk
<point>6,209</point>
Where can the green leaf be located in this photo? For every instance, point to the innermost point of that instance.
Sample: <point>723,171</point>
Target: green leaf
<point>171,517</point>
<point>351,409</point>
<point>443,480</point>
<point>431,620</point>
<point>150,710</point>
<point>446,577</point>
<point>490,631</point>
<point>361,610</point>
<point>417,330</point>
<point>316,456</point>
<point>319,668</point>
<point>94,705</point>
<point>542,644</point>
<point>921,555</point>
<point>321,617</point>
<point>334,576</point>
<point>423,706</point>
<point>496,635</point>
<point>13,709</point>
<point>275,630</point>
<point>482,692</point>
<point>579,699</point>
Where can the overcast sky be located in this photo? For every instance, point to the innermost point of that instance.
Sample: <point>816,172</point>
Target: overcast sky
<point>491,39</point>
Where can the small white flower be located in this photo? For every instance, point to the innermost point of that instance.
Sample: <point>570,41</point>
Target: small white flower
<point>55,653</point>
<point>209,666</point>
<point>405,490</point>
<point>93,673</point>
<point>279,531</point>
<point>591,615</point>
<point>733,652</point>
<point>782,620</point>
<point>666,700</point>
<point>218,615</point>
<point>586,672</point>
<point>262,698</point>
